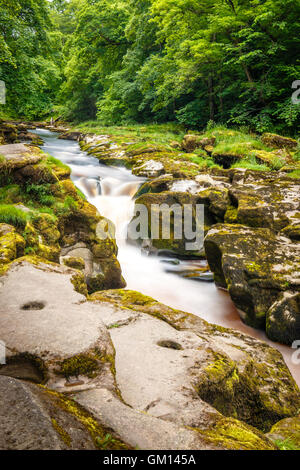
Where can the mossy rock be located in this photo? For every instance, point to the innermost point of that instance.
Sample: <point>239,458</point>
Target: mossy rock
<point>286,434</point>
<point>278,141</point>
<point>243,378</point>
<point>12,244</point>
<point>283,318</point>
<point>173,241</point>
<point>257,267</point>
<point>235,435</point>
<point>75,263</point>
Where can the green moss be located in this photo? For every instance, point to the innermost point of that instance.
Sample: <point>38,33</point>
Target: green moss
<point>286,444</point>
<point>235,435</point>
<point>231,215</point>
<point>132,300</point>
<point>75,263</point>
<point>62,433</point>
<point>80,194</point>
<point>79,284</point>
<point>235,393</point>
<point>82,364</point>
<point>102,437</point>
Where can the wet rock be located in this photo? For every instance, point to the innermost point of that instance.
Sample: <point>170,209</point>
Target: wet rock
<point>257,267</point>
<point>8,133</point>
<point>174,240</point>
<point>150,169</point>
<point>71,136</point>
<point>98,250</point>
<point>33,138</point>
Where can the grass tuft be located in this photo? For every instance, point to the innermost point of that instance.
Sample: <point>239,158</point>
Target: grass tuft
<point>12,215</point>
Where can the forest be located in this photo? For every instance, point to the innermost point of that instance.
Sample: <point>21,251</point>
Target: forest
<point>229,62</point>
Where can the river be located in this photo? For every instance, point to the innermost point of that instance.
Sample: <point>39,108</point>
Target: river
<point>111,190</point>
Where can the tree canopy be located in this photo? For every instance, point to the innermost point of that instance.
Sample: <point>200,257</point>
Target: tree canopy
<point>191,61</point>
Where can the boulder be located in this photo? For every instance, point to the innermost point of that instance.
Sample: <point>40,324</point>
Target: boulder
<point>8,133</point>
<point>18,156</point>
<point>271,204</point>
<point>192,142</point>
<point>278,141</point>
<point>71,136</point>
<point>174,239</point>
<point>283,318</point>
<point>257,267</point>
<point>286,433</point>
<point>34,418</point>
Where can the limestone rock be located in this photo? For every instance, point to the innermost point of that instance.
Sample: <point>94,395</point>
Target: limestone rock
<point>34,418</point>
<point>179,368</point>
<point>18,156</point>
<point>283,318</point>
<point>172,241</point>
<point>257,267</point>
<point>273,204</point>
<point>46,321</point>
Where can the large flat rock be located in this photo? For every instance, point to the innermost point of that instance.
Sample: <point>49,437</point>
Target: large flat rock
<point>42,315</point>
<point>18,155</point>
<point>183,370</point>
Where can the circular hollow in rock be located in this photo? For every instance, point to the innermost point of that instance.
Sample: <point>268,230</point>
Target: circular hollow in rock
<point>169,344</point>
<point>33,306</point>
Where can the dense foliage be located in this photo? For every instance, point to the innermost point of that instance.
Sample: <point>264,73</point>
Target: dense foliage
<point>192,61</point>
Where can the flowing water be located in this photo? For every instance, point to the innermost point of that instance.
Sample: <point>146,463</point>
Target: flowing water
<point>111,191</point>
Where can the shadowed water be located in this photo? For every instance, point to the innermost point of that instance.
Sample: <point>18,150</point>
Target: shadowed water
<point>111,191</point>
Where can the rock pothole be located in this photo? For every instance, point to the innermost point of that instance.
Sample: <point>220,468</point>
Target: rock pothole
<point>33,306</point>
<point>24,368</point>
<point>169,344</point>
